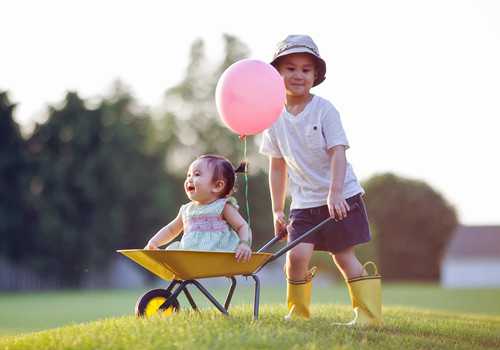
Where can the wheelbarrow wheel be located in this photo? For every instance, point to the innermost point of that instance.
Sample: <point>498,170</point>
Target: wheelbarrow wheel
<point>149,304</point>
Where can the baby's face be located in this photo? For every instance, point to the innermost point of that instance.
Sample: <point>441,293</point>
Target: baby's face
<point>199,184</point>
<point>299,71</point>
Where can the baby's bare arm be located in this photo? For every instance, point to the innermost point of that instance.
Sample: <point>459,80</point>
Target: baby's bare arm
<point>236,221</point>
<point>166,234</point>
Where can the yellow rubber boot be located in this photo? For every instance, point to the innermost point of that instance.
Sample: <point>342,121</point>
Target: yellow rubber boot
<point>366,298</point>
<point>298,296</point>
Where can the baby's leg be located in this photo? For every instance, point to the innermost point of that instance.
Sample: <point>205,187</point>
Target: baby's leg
<point>348,264</point>
<point>297,261</point>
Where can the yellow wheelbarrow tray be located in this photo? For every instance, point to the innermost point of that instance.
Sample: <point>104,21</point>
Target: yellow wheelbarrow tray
<point>185,267</point>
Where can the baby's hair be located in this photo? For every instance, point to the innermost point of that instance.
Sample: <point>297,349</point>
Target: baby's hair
<point>223,170</point>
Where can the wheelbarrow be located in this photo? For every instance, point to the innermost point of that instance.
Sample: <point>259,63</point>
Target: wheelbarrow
<point>185,267</point>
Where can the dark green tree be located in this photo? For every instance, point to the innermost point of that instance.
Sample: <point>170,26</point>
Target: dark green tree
<point>102,186</point>
<point>15,215</point>
<point>413,224</point>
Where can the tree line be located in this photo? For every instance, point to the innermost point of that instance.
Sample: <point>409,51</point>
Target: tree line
<point>93,178</point>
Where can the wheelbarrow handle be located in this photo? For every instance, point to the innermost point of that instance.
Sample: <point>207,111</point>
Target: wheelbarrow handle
<point>269,244</point>
<point>300,239</point>
<point>292,244</point>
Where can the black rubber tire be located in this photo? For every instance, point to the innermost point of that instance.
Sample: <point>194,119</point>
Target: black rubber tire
<point>155,296</point>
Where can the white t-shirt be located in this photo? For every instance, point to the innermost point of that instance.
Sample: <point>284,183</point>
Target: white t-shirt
<point>303,141</point>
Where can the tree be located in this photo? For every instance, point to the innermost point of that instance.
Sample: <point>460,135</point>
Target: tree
<point>413,224</point>
<point>102,184</point>
<point>15,213</point>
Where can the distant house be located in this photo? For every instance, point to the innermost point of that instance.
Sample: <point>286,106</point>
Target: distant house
<point>472,259</point>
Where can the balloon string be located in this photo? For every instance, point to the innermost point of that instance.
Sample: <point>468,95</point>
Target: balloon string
<point>244,144</point>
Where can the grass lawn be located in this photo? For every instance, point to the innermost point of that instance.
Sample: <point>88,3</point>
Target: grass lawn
<point>404,329</point>
<point>28,312</point>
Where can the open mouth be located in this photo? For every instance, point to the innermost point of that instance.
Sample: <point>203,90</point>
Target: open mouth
<point>190,188</point>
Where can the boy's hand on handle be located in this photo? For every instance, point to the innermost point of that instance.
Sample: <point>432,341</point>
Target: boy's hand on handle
<point>280,224</point>
<point>337,206</point>
<point>243,252</point>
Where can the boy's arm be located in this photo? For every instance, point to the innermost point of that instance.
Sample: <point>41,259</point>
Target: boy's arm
<point>236,221</point>
<point>166,234</point>
<point>337,205</point>
<point>277,184</point>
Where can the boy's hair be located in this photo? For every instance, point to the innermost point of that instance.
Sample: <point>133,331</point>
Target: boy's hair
<point>223,170</point>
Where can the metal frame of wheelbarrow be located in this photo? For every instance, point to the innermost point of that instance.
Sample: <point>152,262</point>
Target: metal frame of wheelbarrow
<point>178,286</point>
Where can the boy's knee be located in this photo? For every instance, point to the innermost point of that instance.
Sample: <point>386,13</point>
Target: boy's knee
<point>298,258</point>
<point>296,267</point>
<point>344,257</point>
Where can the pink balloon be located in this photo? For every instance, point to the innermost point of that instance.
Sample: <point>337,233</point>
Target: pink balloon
<point>250,96</point>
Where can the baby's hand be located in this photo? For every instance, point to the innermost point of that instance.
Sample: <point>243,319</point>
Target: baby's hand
<point>243,252</point>
<point>151,246</point>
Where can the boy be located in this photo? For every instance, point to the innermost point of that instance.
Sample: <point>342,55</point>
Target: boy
<point>306,146</point>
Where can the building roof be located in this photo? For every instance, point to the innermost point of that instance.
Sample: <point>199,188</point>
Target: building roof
<point>474,242</point>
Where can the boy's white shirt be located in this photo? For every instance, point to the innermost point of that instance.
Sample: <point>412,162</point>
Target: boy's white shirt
<point>303,141</point>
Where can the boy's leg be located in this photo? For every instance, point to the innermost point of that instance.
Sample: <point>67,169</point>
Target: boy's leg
<point>365,291</point>
<point>348,264</point>
<point>299,280</point>
<point>297,261</point>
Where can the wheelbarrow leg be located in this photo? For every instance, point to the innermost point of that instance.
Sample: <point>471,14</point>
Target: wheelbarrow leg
<point>190,299</point>
<point>209,296</point>
<point>230,294</point>
<point>172,285</point>
<point>256,297</point>
<point>174,295</point>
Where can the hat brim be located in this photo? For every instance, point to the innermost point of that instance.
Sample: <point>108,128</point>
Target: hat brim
<point>320,63</point>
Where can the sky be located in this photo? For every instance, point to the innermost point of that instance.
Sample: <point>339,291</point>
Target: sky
<point>417,83</point>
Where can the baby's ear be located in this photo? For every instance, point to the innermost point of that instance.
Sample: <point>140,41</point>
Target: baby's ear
<point>218,186</point>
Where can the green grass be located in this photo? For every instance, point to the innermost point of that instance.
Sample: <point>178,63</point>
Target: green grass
<point>416,316</point>
<point>404,329</point>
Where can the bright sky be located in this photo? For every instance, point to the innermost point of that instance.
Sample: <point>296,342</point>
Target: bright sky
<point>417,83</point>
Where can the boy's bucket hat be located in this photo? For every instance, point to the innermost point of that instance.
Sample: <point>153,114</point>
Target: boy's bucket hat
<point>301,44</point>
